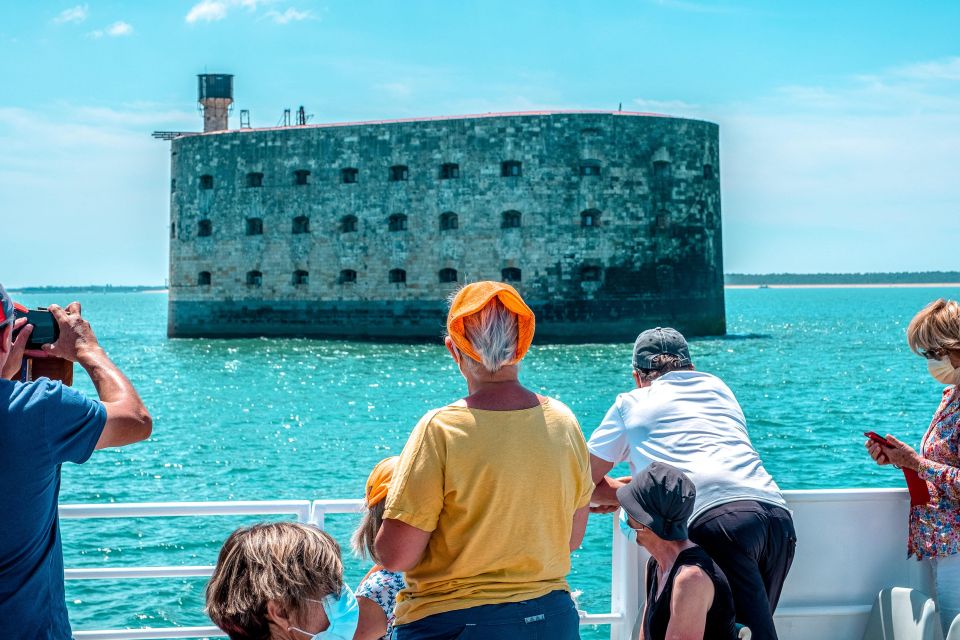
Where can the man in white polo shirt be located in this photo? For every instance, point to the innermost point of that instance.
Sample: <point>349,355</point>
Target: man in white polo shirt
<point>692,421</point>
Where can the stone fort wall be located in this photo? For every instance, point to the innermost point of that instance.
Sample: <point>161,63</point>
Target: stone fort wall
<point>607,223</point>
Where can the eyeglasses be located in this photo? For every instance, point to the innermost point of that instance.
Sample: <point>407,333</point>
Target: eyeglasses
<point>933,354</point>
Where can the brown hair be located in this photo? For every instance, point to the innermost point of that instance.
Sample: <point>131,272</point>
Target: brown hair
<point>662,364</point>
<point>286,562</point>
<point>366,534</point>
<point>937,326</point>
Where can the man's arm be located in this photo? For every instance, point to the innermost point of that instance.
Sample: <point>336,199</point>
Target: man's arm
<point>579,527</point>
<point>689,604</point>
<point>604,499</point>
<point>400,546</point>
<point>128,420</point>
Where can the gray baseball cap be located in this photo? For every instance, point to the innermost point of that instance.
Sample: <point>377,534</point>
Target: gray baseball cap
<point>660,497</point>
<point>659,341</point>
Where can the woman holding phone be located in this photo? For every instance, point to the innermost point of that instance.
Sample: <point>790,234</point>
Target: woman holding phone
<point>934,334</point>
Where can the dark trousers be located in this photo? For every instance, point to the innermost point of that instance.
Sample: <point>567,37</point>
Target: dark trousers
<point>753,543</point>
<point>550,617</point>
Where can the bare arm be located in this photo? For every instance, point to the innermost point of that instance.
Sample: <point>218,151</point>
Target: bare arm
<point>691,599</point>
<point>373,621</point>
<point>579,527</point>
<point>604,498</point>
<point>399,545</point>
<point>128,420</point>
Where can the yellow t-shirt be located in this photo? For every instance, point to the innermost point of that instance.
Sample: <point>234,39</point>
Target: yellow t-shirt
<point>498,490</point>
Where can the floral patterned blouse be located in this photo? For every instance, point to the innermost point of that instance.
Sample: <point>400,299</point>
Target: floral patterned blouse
<point>382,587</point>
<point>935,527</point>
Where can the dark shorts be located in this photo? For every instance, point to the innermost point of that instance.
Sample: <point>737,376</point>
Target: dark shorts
<point>550,617</point>
<point>753,544</point>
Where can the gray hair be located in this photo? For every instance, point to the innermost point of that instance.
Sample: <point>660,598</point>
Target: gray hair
<point>663,364</point>
<point>493,333</point>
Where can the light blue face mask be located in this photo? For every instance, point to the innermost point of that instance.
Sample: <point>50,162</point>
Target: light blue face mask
<point>343,614</point>
<point>625,527</point>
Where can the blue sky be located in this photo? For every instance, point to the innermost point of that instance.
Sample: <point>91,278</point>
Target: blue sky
<point>840,121</point>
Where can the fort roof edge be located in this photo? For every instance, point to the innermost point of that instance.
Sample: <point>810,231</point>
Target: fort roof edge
<point>472,116</point>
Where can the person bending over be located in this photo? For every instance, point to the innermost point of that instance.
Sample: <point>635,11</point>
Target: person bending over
<point>43,424</point>
<point>377,593</point>
<point>281,581</point>
<point>491,492</point>
<point>688,597</point>
<point>691,420</point>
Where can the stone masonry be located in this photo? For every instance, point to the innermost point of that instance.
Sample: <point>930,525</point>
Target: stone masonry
<point>611,222</point>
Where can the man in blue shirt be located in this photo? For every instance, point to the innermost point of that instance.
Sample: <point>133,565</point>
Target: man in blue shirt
<point>42,425</point>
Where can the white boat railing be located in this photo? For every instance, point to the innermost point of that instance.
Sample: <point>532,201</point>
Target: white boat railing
<point>851,545</point>
<point>312,512</point>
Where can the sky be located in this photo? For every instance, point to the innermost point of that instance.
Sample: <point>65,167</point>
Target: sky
<point>839,121</point>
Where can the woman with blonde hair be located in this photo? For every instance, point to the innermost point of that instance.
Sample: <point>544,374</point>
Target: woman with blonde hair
<point>934,333</point>
<point>281,581</point>
<point>377,593</point>
<point>491,492</point>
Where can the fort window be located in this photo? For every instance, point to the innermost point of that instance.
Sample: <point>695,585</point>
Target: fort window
<point>173,184</point>
<point>511,220</point>
<point>448,275</point>
<point>449,221</point>
<point>398,173</point>
<point>349,175</point>
<point>590,218</point>
<point>510,169</point>
<point>510,274</point>
<point>254,226</point>
<point>398,276</point>
<point>255,179</point>
<point>173,230</point>
<point>300,277</point>
<point>348,224</point>
<point>589,274</point>
<point>203,278</point>
<point>590,169</point>
<point>347,276</point>
<point>301,176</point>
<point>708,172</point>
<point>397,222</point>
<point>206,182</point>
<point>449,171</point>
<point>204,228</point>
<point>301,224</point>
<point>254,278</point>
<point>661,170</point>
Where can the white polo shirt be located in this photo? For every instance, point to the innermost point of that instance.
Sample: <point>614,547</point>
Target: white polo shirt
<point>692,421</point>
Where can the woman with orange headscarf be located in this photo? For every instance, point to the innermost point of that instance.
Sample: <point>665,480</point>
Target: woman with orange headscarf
<point>491,492</point>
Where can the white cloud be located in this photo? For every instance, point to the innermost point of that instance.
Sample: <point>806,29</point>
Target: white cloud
<point>215,10</point>
<point>396,90</point>
<point>75,14</point>
<point>290,15</point>
<point>118,29</point>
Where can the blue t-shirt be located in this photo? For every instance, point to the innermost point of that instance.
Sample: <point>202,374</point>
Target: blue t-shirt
<point>42,425</point>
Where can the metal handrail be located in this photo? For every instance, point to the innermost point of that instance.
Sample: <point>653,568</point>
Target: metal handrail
<point>312,512</point>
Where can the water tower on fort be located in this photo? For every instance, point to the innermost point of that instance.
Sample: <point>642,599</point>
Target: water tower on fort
<point>215,95</point>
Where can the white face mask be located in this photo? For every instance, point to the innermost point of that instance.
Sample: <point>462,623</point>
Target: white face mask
<point>944,371</point>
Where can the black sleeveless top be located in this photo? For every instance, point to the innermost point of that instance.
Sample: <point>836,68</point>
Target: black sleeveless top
<point>721,615</point>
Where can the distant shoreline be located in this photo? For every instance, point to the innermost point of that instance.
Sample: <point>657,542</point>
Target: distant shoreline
<point>890,285</point>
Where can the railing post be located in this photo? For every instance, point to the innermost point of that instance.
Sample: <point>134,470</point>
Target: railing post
<point>626,597</point>
<point>317,514</point>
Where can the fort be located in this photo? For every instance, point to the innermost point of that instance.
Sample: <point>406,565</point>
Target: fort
<point>606,222</point>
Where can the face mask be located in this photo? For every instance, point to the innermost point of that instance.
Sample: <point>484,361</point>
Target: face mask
<point>943,370</point>
<point>343,614</point>
<point>625,527</point>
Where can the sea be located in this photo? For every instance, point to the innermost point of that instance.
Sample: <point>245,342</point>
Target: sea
<point>267,419</point>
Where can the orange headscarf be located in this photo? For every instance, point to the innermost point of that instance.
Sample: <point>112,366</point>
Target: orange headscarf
<point>379,480</point>
<point>474,297</point>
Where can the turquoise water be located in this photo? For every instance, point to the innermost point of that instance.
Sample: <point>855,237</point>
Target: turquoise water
<point>301,419</point>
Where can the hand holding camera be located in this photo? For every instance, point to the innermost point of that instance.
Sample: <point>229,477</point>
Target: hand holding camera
<point>75,339</point>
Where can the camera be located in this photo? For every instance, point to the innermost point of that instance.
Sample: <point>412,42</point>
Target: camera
<point>45,331</point>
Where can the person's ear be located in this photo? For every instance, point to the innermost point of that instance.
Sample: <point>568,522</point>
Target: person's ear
<point>278,615</point>
<point>452,348</point>
<point>636,378</point>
